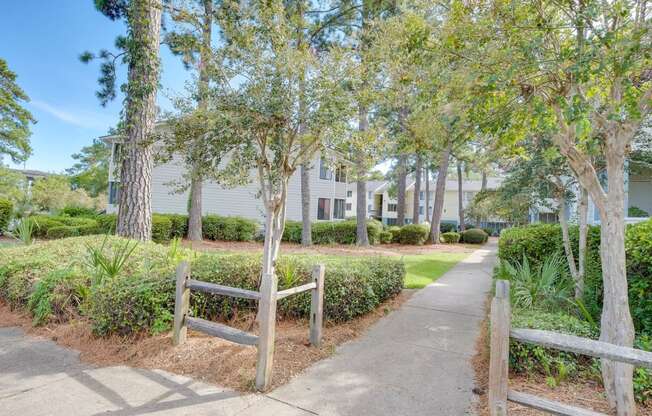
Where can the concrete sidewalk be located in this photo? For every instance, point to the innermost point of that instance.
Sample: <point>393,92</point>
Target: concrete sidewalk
<point>414,362</point>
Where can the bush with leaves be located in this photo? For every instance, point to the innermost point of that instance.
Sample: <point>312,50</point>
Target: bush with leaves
<point>216,227</point>
<point>59,295</point>
<point>386,237</point>
<point>474,236</point>
<point>292,231</point>
<point>62,231</point>
<point>450,237</point>
<point>77,211</point>
<point>395,231</point>
<point>161,228</point>
<point>636,212</point>
<point>446,227</point>
<point>6,212</point>
<point>415,234</point>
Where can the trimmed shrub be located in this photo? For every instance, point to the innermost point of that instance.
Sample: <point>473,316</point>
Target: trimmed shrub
<point>489,231</point>
<point>74,211</point>
<point>527,358</point>
<point>292,232</point>
<point>107,223</point>
<point>450,237</point>
<point>395,231</point>
<point>636,212</point>
<point>178,225</point>
<point>215,227</point>
<point>161,228</point>
<point>474,236</point>
<point>386,237</point>
<point>344,232</point>
<point>132,304</point>
<point>537,242</point>
<point>638,246</point>
<point>413,234</point>
<point>43,223</point>
<point>62,231</point>
<point>446,227</point>
<point>58,296</point>
<point>6,212</point>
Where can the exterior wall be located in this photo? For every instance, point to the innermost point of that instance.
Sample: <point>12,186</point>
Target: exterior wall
<point>640,192</point>
<point>238,201</point>
<point>373,202</point>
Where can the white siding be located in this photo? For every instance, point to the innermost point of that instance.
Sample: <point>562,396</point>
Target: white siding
<point>238,201</point>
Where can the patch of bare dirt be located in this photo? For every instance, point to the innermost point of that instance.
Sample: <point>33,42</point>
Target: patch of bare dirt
<point>577,392</point>
<point>205,358</point>
<point>339,249</point>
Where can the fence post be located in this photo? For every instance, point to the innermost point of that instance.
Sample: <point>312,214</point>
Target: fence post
<point>267,314</point>
<point>499,361</point>
<point>181,304</point>
<point>317,306</point>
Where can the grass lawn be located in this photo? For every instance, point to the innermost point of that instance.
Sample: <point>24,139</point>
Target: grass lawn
<point>423,269</point>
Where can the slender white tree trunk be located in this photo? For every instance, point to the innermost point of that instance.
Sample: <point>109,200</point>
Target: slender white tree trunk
<point>440,188</point>
<point>400,190</point>
<point>306,230</point>
<point>194,217</point>
<point>427,208</point>
<point>460,195</point>
<point>361,186</point>
<point>135,200</point>
<point>417,191</point>
<point>563,222</point>
<point>583,214</point>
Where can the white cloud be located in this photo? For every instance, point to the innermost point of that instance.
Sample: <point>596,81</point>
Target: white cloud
<point>77,118</point>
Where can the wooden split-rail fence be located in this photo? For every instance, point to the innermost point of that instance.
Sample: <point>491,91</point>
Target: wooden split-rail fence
<point>501,332</point>
<point>266,297</point>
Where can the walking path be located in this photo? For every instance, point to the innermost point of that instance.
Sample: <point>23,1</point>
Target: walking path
<point>416,361</point>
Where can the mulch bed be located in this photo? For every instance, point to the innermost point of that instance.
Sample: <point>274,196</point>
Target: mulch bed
<point>205,358</point>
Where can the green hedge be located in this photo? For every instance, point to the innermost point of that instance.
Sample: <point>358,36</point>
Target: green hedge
<point>161,228</point>
<point>216,227</point>
<point>540,241</point>
<point>63,226</point>
<point>415,234</point>
<point>292,232</point>
<point>386,237</point>
<point>395,231</point>
<point>107,223</point>
<point>6,211</point>
<point>74,211</point>
<point>450,237</point>
<point>141,297</point>
<point>344,232</point>
<point>474,236</point>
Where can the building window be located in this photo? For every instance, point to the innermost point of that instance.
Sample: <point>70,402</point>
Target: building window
<point>338,209</point>
<point>348,206</point>
<point>349,194</point>
<point>369,208</point>
<point>370,194</point>
<point>324,171</point>
<point>421,195</point>
<point>114,188</point>
<point>391,221</point>
<point>324,209</point>
<point>391,207</point>
<point>340,174</point>
<point>421,210</point>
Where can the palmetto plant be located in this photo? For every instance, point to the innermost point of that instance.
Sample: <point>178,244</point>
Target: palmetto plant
<point>111,264</point>
<point>547,286</point>
<point>24,231</point>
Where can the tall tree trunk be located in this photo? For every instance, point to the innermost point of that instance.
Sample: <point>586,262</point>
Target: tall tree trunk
<point>361,185</point>
<point>197,179</point>
<point>400,191</point>
<point>484,181</point>
<point>194,215</point>
<point>583,214</point>
<point>135,200</point>
<point>427,208</point>
<point>440,188</point>
<point>616,324</point>
<point>306,230</point>
<point>460,196</point>
<point>417,190</point>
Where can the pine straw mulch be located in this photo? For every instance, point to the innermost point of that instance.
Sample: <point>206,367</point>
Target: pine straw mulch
<point>339,249</point>
<point>587,394</point>
<point>204,358</point>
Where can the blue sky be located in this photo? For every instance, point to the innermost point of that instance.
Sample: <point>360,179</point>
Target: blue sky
<point>41,42</point>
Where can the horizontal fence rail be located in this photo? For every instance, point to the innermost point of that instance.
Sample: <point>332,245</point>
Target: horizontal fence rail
<point>267,298</point>
<point>216,289</point>
<point>501,332</point>
<point>549,406</point>
<point>295,290</point>
<point>584,346</point>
